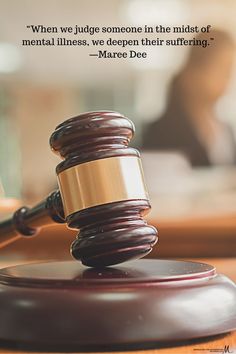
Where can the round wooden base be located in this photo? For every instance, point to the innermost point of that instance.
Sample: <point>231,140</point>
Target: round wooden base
<point>140,302</point>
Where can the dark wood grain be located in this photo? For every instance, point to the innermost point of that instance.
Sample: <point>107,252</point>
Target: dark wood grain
<point>110,233</point>
<point>140,303</point>
<point>226,266</point>
<point>115,232</point>
<point>27,222</point>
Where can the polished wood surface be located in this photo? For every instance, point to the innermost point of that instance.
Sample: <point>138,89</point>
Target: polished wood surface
<point>204,346</point>
<point>197,237</point>
<point>226,266</point>
<point>208,236</point>
<point>135,304</point>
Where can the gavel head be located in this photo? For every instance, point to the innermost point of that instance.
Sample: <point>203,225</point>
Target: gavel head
<point>102,188</point>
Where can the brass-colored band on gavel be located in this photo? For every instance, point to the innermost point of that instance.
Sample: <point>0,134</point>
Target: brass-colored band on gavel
<point>100,182</point>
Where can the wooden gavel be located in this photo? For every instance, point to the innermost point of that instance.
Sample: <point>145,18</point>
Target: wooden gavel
<point>102,192</point>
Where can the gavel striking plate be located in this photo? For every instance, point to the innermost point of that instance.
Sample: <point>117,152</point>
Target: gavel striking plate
<point>97,302</point>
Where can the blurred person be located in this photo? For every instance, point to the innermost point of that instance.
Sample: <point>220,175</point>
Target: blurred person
<point>189,124</point>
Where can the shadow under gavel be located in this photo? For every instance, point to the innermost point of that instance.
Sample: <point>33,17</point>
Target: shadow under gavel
<point>102,192</point>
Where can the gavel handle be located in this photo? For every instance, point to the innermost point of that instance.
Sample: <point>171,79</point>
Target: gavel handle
<point>27,222</point>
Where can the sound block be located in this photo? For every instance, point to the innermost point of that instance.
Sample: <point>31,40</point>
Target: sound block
<point>140,302</point>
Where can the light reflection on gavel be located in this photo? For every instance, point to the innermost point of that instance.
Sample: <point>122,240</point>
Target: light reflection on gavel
<point>102,192</point>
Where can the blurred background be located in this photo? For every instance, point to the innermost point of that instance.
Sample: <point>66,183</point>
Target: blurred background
<point>181,99</point>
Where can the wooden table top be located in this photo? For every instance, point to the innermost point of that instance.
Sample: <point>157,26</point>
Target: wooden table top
<point>218,344</point>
